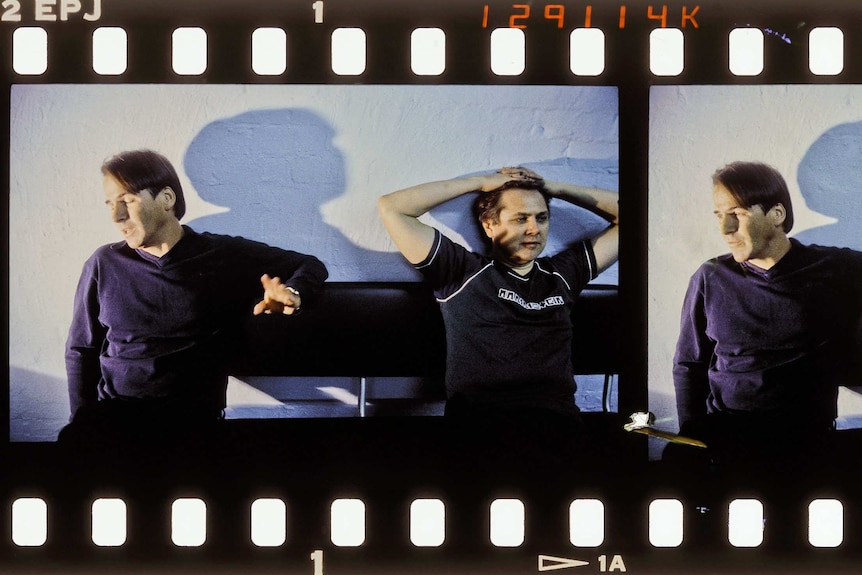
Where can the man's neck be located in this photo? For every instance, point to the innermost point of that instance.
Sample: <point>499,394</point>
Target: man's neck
<point>171,237</point>
<point>778,249</point>
<point>521,270</point>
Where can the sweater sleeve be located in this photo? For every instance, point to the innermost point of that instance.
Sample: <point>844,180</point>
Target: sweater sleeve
<point>85,341</point>
<point>305,274</point>
<point>693,355</point>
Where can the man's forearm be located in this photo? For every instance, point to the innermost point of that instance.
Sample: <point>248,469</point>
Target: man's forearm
<point>400,211</point>
<point>417,200</point>
<point>83,372</point>
<point>603,203</point>
<point>691,387</point>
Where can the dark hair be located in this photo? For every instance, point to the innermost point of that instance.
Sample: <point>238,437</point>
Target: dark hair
<point>139,170</point>
<point>756,184</point>
<point>486,206</point>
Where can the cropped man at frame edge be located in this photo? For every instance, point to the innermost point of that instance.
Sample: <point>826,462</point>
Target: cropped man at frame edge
<point>154,315</point>
<point>768,331</point>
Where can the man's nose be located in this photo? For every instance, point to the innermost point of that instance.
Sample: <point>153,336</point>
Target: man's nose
<point>728,225</point>
<point>118,212</point>
<point>532,226</point>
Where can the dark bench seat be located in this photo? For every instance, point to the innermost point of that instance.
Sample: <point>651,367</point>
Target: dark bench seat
<point>388,339</point>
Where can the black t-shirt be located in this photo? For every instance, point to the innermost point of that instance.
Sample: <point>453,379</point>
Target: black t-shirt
<point>509,337</point>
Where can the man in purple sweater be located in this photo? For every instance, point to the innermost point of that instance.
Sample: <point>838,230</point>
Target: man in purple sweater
<point>154,314</point>
<point>768,331</point>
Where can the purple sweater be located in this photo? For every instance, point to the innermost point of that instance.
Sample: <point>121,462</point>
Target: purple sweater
<point>148,327</point>
<point>775,342</point>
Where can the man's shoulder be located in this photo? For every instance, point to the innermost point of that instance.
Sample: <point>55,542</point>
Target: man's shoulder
<point>446,250</point>
<point>718,265</point>
<point>579,250</point>
<point>110,251</point>
<point>552,263</point>
<point>725,260</point>
<point>214,240</point>
<point>107,256</point>
<point>450,265</point>
<point>192,235</point>
<point>821,251</point>
<point>819,259</point>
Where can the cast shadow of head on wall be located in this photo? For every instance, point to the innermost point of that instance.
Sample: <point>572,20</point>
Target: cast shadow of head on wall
<point>273,170</point>
<point>830,180</point>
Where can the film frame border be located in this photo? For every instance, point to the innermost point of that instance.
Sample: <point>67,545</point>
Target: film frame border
<point>633,81</point>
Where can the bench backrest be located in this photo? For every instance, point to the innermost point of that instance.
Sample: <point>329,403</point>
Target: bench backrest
<point>395,329</point>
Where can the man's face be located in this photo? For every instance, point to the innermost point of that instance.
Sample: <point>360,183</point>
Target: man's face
<point>522,230</point>
<point>748,232</point>
<point>140,217</point>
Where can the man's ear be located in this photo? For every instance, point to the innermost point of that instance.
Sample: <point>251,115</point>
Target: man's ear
<point>169,197</point>
<point>779,214</point>
<point>486,225</point>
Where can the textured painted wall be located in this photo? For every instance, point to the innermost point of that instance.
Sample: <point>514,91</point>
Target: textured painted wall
<point>296,166</point>
<point>811,134</point>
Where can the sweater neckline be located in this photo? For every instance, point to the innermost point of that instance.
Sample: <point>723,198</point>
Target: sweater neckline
<point>788,261</point>
<point>173,253</point>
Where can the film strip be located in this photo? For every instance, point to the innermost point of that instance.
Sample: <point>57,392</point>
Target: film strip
<point>336,460</point>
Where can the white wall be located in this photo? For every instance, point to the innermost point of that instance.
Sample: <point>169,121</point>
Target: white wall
<point>800,130</point>
<point>297,166</point>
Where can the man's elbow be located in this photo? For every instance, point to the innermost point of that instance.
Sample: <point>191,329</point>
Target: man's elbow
<point>384,205</point>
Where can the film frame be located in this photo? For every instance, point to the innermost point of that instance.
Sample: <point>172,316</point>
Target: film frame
<point>32,487</point>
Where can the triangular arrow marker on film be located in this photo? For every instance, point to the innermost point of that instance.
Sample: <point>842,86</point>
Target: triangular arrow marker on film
<point>549,563</point>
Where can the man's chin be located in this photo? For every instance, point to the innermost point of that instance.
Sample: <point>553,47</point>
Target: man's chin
<point>519,258</point>
<point>530,254</point>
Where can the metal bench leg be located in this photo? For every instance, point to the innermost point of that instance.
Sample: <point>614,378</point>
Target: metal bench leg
<point>606,394</point>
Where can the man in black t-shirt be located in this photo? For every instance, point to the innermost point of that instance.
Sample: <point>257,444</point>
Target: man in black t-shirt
<point>507,314</point>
